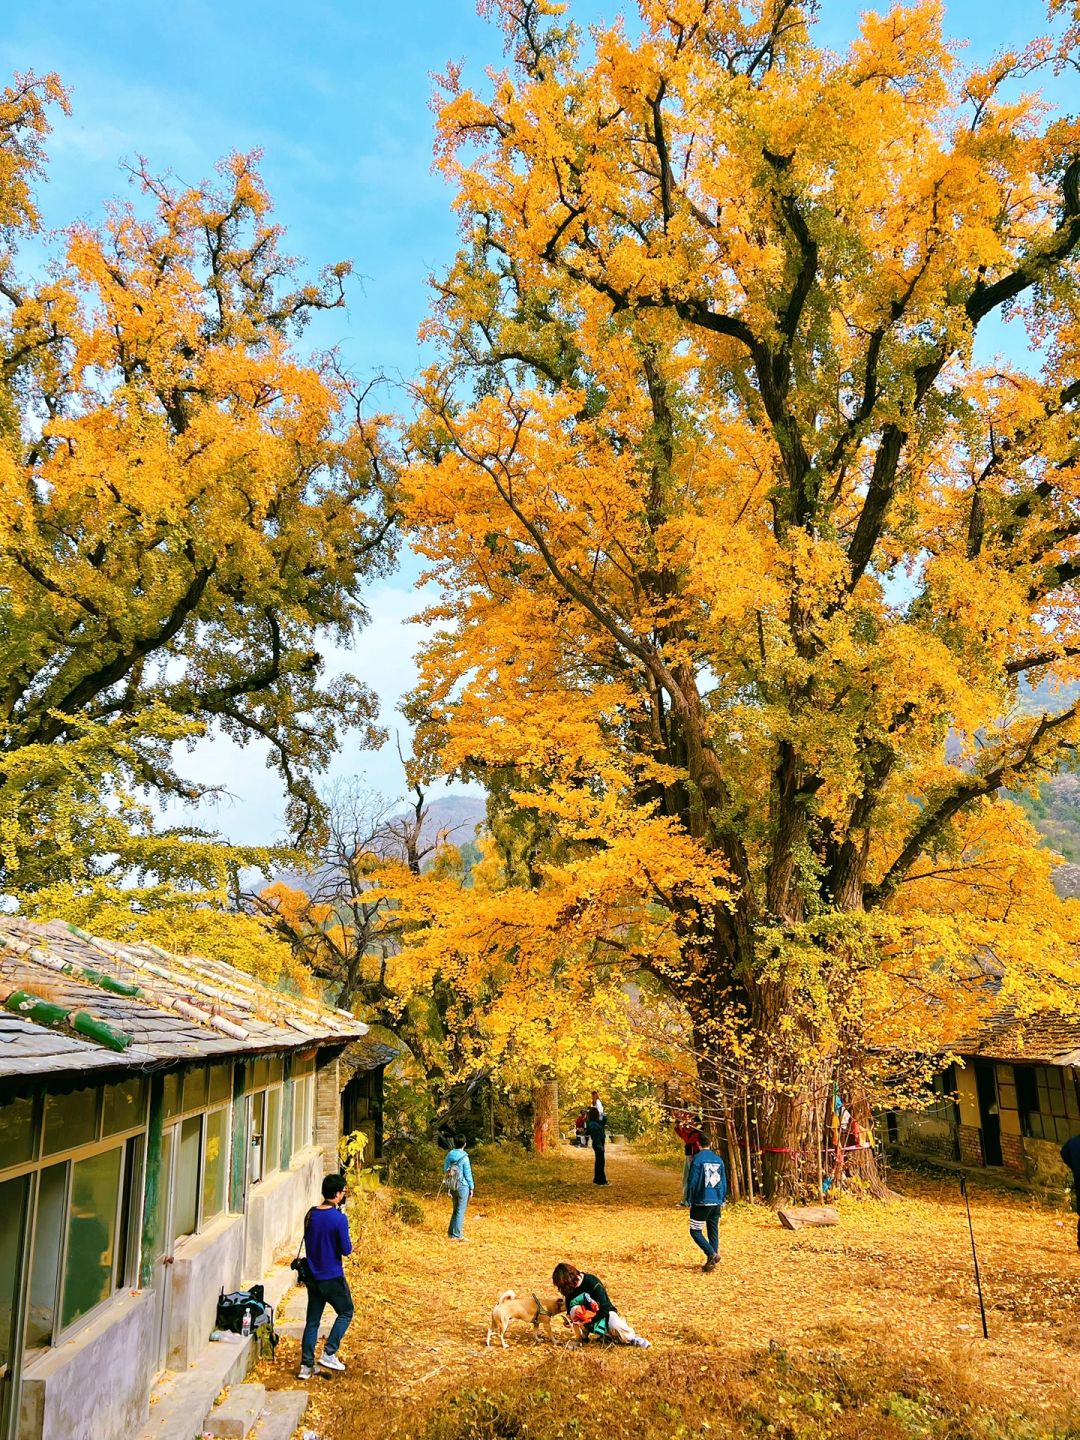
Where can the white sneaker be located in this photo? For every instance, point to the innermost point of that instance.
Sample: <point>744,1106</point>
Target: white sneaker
<point>305,1373</point>
<point>330,1362</point>
<point>640,1343</point>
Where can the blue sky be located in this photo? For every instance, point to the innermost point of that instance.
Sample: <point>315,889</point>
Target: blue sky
<point>335,93</point>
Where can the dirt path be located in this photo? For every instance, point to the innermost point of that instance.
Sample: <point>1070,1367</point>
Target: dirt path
<point>897,1276</point>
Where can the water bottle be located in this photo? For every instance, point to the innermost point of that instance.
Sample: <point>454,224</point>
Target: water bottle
<point>245,1328</point>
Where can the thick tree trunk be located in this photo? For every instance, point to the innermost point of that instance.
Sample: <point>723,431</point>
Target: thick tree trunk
<point>546,1115</point>
<point>769,1106</point>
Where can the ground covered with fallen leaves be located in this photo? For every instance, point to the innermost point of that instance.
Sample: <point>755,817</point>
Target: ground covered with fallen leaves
<point>868,1328</point>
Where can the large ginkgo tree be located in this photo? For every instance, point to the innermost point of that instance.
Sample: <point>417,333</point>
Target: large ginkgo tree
<point>758,568</point>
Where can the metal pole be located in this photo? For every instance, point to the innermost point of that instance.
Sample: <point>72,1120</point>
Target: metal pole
<point>974,1256</point>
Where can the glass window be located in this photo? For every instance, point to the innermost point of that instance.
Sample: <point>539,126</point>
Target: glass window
<point>45,1265</point>
<point>216,1163</point>
<point>260,1076</point>
<point>186,1203</point>
<point>221,1077</point>
<point>70,1120</point>
<point>16,1133</point>
<point>303,1065</point>
<point>196,1088</point>
<point>272,1147</point>
<point>277,1070</point>
<point>12,1209</point>
<point>162,1240</point>
<point>258,1127</point>
<point>125,1106</point>
<point>90,1258</point>
<point>127,1259</point>
<point>172,1094</point>
<point>303,1111</point>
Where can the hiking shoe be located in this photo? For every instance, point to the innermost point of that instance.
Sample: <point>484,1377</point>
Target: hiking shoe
<point>639,1343</point>
<point>711,1264</point>
<point>305,1373</point>
<point>330,1362</point>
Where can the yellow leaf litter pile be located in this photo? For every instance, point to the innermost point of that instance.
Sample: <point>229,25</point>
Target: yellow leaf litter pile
<point>869,1328</point>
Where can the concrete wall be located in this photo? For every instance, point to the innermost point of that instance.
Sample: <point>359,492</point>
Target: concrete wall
<point>276,1210</point>
<point>203,1264</point>
<point>927,1134</point>
<point>95,1386</point>
<point>1046,1170</point>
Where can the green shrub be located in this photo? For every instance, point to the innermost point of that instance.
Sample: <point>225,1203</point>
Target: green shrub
<point>415,1165</point>
<point>408,1210</point>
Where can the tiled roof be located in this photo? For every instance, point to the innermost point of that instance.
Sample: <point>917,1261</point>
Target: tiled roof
<point>116,1006</point>
<point>1047,1038</point>
<point>367,1054</point>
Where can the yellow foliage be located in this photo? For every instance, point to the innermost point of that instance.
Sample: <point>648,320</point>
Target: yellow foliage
<point>747,564</point>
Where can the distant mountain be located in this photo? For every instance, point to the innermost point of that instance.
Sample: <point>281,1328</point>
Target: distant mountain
<point>454,818</point>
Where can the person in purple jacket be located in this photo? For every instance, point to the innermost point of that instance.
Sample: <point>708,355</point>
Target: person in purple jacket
<point>326,1239</point>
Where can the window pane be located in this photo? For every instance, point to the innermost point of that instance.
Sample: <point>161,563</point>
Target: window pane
<point>48,1233</point>
<point>277,1070</point>
<point>172,1094</point>
<point>186,1213</point>
<point>303,1066</point>
<point>220,1083</point>
<point>303,1093</point>
<point>272,1145</point>
<point>132,1187</point>
<point>12,1208</point>
<point>70,1120</point>
<point>125,1106</point>
<point>255,1148</point>
<point>88,1266</point>
<point>261,1073</point>
<point>16,1133</point>
<point>162,1240</point>
<point>196,1088</point>
<point>216,1164</point>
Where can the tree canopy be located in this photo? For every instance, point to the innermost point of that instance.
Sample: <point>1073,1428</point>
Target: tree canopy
<point>190,508</point>
<point>749,550</point>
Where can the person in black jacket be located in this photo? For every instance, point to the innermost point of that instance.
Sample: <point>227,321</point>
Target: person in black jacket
<point>596,1126</point>
<point>1070,1153</point>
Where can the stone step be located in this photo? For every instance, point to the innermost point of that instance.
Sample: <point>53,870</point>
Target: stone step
<point>180,1396</point>
<point>235,1417</point>
<point>282,1413</point>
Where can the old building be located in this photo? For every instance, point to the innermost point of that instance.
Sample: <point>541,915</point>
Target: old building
<point>165,1122</point>
<point>1008,1107</point>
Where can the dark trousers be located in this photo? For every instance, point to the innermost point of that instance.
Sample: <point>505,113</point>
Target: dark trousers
<point>321,1293</point>
<point>599,1175</point>
<point>705,1220</point>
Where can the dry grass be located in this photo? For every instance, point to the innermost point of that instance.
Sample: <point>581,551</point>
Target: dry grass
<point>870,1328</point>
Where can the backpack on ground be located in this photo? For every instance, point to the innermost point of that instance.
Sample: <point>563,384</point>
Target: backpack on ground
<point>231,1309</point>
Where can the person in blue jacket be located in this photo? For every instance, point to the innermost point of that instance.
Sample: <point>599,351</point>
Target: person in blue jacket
<point>326,1238</point>
<point>459,1182</point>
<point>1070,1154</point>
<point>707,1191</point>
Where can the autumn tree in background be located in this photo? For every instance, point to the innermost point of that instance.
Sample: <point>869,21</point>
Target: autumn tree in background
<point>749,547</point>
<point>190,509</point>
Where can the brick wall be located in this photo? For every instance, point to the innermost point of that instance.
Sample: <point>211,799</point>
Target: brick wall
<point>971,1150</point>
<point>1012,1153</point>
<point>328,1109</point>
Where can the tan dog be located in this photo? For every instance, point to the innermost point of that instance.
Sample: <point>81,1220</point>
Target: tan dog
<point>509,1308</point>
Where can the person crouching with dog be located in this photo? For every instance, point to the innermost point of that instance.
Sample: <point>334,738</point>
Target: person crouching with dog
<point>589,1309</point>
